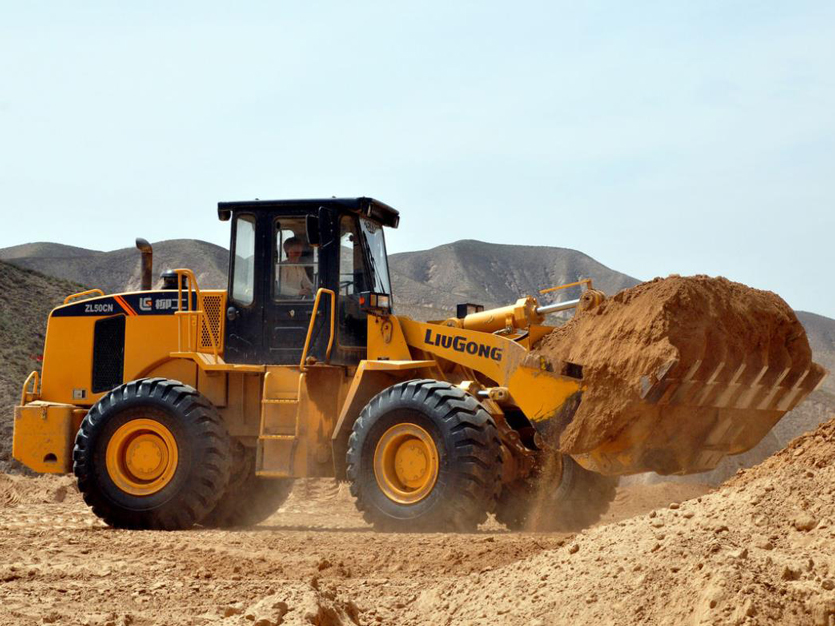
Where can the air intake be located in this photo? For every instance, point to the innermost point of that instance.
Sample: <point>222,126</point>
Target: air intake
<point>211,326</point>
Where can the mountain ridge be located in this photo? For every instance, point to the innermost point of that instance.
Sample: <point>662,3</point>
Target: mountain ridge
<point>119,270</point>
<point>429,283</point>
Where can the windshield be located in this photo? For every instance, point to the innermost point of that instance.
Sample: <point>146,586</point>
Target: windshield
<point>375,243</point>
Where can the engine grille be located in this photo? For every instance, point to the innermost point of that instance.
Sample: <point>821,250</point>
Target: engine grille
<point>108,353</point>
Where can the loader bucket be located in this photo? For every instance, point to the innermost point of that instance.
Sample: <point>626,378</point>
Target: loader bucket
<point>679,373</point>
<point>687,419</point>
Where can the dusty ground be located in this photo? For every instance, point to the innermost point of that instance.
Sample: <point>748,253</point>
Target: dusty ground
<point>315,558</point>
<point>759,550</point>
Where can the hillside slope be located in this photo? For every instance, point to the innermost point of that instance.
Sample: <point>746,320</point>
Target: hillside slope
<point>44,249</point>
<point>429,283</point>
<point>119,270</point>
<point>821,333</point>
<point>27,299</point>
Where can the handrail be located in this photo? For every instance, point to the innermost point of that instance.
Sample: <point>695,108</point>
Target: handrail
<point>198,312</point>
<point>585,281</point>
<point>192,283</point>
<point>321,290</point>
<point>29,378</point>
<point>83,293</point>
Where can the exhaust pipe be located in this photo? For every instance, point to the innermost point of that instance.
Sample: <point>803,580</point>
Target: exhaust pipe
<point>147,262</point>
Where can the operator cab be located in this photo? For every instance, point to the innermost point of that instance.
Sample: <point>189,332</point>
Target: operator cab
<point>282,252</point>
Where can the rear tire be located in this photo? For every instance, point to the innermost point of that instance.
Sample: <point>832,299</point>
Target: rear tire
<point>152,454</point>
<point>448,442</point>
<point>248,500</point>
<point>536,504</point>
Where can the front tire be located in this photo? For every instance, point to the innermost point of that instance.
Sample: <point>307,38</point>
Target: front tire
<point>424,456</point>
<point>152,454</point>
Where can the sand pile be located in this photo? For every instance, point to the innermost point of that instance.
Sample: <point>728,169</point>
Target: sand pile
<point>671,323</point>
<point>297,604</point>
<point>45,489</point>
<point>761,550</point>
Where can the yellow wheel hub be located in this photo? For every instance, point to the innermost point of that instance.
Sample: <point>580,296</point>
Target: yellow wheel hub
<point>142,457</point>
<point>406,463</point>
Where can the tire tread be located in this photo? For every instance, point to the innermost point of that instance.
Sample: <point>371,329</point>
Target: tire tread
<point>474,453</point>
<point>203,423</point>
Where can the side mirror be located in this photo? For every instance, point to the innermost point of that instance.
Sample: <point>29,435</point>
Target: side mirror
<point>312,228</point>
<point>328,227</point>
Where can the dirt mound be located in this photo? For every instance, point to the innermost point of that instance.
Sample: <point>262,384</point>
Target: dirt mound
<point>315,604</point>
<point>761,550</point>
<point>636,499</point>
<point>808,453</point>
<point>17,490</point>
<point>660,330</point>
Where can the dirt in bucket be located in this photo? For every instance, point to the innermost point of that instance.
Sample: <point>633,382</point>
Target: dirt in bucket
<point>677,319</point>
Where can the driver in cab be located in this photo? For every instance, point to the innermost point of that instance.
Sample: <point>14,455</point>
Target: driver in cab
<point>293,280</point>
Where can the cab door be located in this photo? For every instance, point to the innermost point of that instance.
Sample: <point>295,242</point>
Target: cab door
<point>294,280</point>
<point>245,307</point>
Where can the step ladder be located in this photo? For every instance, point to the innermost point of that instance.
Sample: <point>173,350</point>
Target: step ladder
<point>280,430</point>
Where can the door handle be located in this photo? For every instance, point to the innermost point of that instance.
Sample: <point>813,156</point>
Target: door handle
<point>232,313</point>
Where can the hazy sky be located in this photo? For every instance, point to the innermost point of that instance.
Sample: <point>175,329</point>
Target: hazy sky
<point>658,137</point>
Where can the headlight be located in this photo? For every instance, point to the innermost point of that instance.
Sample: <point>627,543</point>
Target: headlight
<point>375,302</point>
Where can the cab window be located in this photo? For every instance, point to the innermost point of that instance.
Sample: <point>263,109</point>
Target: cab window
<point>353,279</point>
<point>375,243</point>
<point>295,275</point>
<point>243,269</point>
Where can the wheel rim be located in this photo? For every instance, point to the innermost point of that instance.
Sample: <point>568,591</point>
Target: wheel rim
<point>142,457</point>
<point>406,463</point>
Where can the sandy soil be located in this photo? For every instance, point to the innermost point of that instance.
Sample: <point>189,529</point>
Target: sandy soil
<point>758,550</point>
<point>313,562</point>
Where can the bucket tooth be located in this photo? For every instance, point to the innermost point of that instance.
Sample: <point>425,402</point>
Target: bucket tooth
<point>687,388</point>
<point>811,379</point>
<point>748,390</point>
<point>656,386</point>
<point>728,395</point>
<point>790,399</point>
<point>711,389</point>
<point>777,398</point>
<point>719,369</point>
<point>770,392</point>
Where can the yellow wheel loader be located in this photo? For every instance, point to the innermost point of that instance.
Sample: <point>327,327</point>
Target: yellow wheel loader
<point>179,406</point>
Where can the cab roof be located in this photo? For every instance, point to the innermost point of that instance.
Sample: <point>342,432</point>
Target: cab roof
<point>368,207</point>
